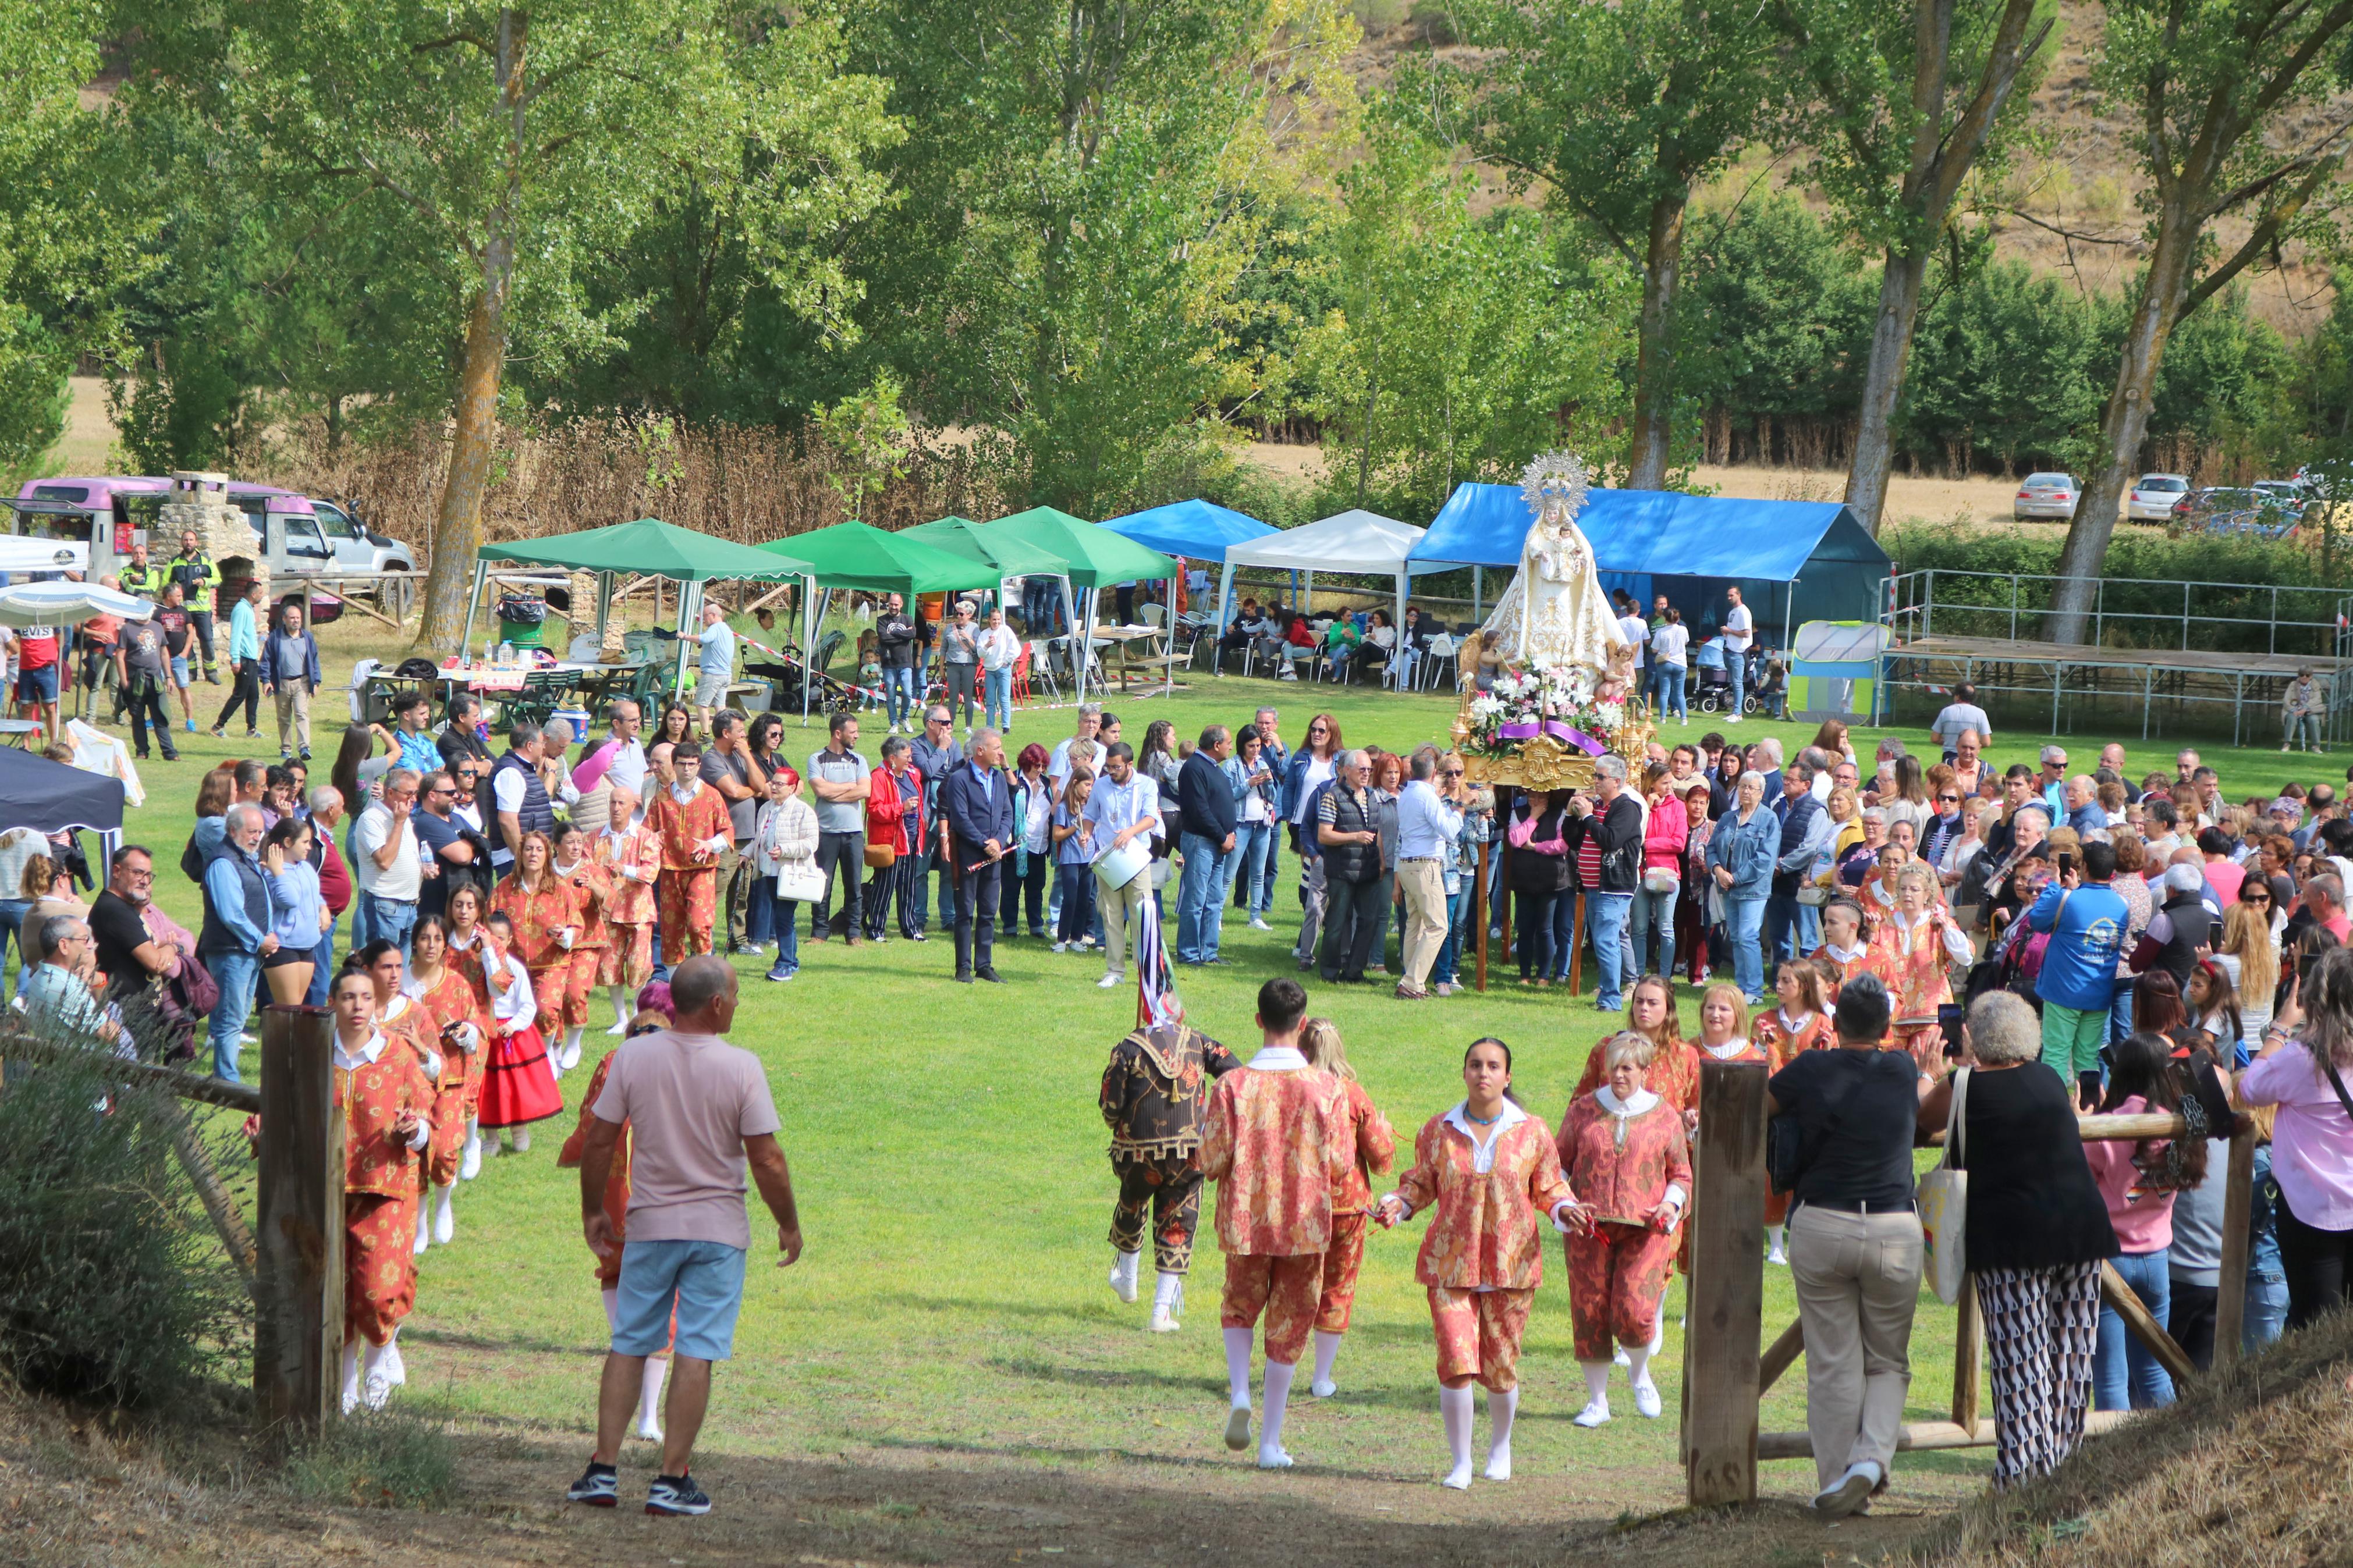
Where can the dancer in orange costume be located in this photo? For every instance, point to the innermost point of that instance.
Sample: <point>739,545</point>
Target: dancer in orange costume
<point>1274,1142</point>
<point>591,887</point>
<point>691,819</point>
<point>630,852</point>
<point>1371,1150</point>
<point>465,1025</point>
<point>1674,1066</point>
<point>477,959</point>
<point>386,1106</point>
<point>403,1018</point>
<point>616,1210</point>
<point>1801,1022</point>
<point>1846,942</point>
<point>1485,1170</point>
<point>1623,1153</point>
<point>545,914</point>
<point>1919,944</point>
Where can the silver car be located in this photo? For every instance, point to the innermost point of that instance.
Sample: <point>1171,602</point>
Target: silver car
<point>2046,496</point>
<point>2154,497</point>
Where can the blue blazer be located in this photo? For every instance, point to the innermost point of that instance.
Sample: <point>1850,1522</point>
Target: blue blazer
<point>979,805</point>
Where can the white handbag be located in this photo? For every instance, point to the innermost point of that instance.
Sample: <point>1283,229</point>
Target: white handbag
<point>1944,1204</point>
<point>1658,879</point>
<point>802,881</point>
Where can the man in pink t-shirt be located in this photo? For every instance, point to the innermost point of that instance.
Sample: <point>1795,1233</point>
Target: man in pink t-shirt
<point>701,1119</point>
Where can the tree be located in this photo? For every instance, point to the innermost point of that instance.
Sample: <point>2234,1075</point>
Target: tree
<point>1908,97</point>
<point>1458,346</point>
<point>1619,111</point>
<point>512,145</point>
<point>2221,90</point>
<point>1086,184</point>
<point>73,232</point>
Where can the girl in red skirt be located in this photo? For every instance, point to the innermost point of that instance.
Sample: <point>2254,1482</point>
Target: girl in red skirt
<point>517,1084</point>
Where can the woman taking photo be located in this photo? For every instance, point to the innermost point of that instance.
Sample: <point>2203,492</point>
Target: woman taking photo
<point>1740,855</point>
<point>1665,833</point>
<point>1854,1243</point>
<point>2036,1233</point>
<point>1259,816</point>
<point>299,913</point>
<point>1537,873</point>
<point>1487,1170</point>
<point>1623,1154</point>
<point>2303,1069</point>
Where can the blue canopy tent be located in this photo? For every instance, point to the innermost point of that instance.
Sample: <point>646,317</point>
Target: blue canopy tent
<point>1690,548</point>
<point>1198,528</point>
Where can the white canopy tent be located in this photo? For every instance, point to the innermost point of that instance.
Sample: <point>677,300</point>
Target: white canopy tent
<point>1355,541</point>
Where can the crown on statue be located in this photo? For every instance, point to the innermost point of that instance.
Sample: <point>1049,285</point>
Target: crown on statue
<point>1555,479</point>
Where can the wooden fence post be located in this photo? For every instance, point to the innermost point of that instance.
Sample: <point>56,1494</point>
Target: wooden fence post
<point>298,1330</point>
<point>1721,1347</point>
<point>2238,1199</point>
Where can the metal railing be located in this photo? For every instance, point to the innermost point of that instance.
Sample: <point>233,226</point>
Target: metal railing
<point>1994,604</point>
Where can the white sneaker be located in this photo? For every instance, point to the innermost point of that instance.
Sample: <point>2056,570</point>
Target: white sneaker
<point>1323,1388</point>
<point>1778,1256</point>
<point>1595,1414</point>
<point>1850,1492</point>
<point>1499,1465</point>
<point>1258,924</point>
<point>1732,718</point>
<point>570,1056</point>
<point>621,1027</point>
<point>1061,947</point>
<point>1646,1400</point>
<point>1457,1479</point>
<point>392,1369</point>
<point>1123,1277</point>
<point>1238,1422</point>
<point>1163,1321</point>
<point>377,1392</point>
<point>1273,1459</point>
<point>470,1166</point>
<point>1111,982</point>
<point>445,1227</point>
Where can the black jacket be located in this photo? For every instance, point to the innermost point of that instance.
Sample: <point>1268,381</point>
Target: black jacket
<point>894,640</point>
<point>1206,797</point>
<point>1618,829</point>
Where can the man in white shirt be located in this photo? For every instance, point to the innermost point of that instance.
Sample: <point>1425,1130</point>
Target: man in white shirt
<point>1057,765</point>
<point>1739,634</point>
<point>1123,807</point>
<point>1962,713</point>
<point>626,768</point>
<point>1429,818</point>
<point>386,865</point>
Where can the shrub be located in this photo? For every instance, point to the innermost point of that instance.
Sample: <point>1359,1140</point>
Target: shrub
<point>400,1457</point>
<point>113,1289</point>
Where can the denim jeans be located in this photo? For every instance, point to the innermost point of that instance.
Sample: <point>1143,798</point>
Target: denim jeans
<point>1448,970</point>
<point>760,911</point>
<point>1744,922</point>
<point>1076,915</point>
<point>902,692</point>
<point>12,925</point>
<point>323,968</point>
<point>1735,669</point>
<point>1252,863</point>
<point>1605,922</point>
<point>389,920</point>
<point>2266,1314</point>
<point>1656,911</point>
<point>1780,929</point>
<point>1670,678</point>
<point>236,974</point>
<point>1564,935</point>
<point>1536,933</point>
<point>780,923</point>
<point>1200,903</point>
<point>2125,1375</point>
<point>996,697</point>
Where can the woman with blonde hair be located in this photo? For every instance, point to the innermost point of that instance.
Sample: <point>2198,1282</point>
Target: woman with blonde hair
<point>1919,944</point>
<point>2247,956</point>
<point>1724,1026</point>
<point>1372,1152</point>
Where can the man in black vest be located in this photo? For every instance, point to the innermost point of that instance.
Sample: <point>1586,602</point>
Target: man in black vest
<point>1347,830</point>
<point>236,935</point>
<point>519,796</point>
<point>978,801</point>
<point>2181,925</point>
<point>1792,863</point>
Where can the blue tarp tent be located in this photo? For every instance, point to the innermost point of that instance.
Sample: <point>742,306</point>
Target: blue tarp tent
<point>1792,560</point>
<point>1197,528</point>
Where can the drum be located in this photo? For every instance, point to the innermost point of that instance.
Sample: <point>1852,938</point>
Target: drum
<point>1123,864</point>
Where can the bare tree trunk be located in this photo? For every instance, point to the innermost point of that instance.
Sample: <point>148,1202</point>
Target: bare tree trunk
<point>2124,425</point>
<point>1883,384</point>
<point>1654,361</point>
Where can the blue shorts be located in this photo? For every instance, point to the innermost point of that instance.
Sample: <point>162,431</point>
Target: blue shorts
<point>703,1278</point>
<point>37,685</point>
<point>180,675</point>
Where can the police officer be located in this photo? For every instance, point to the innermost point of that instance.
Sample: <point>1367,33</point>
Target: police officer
<point>199,580</point>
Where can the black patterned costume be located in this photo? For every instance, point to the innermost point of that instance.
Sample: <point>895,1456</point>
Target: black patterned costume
<point>1154,1090</point>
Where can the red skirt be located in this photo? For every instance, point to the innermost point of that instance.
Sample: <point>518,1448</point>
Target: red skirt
<point>518,1085</point>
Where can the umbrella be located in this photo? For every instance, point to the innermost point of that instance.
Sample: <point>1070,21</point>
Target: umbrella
<point>67,604</point>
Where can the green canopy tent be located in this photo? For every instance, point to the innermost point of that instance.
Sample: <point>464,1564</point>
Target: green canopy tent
<point>860,555</point>
<point>1011,556</point>
<point>647,547</point>
<point>1095,558</point>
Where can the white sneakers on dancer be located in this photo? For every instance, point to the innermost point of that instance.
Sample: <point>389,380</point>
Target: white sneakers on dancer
<point>620,1012</point>
<point>445,1218</point>
<point>1455,1407</point>
<point>1167,1303</point>
<point>1123,1275</point>
<point>1638,1374</point>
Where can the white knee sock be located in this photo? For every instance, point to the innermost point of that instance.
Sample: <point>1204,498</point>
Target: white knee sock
<point>620,1006</point>
<point>1772,1237</point>
<point>650,1394</point>
<point>1168,1291</point>
<point>1637,1369</point>
<point>444,1216</point>
<point>1658,1326</point>
<point>1327,1351</point>
<point>1277,1396</point>
<point>1597,1381</point>
<point>1238,1357</point>
<point>1454,1410</point>
<point>1501,1405</point>
<point>571,1038</point>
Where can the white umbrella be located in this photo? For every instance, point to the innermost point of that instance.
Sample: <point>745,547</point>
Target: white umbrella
<point>67,604</point>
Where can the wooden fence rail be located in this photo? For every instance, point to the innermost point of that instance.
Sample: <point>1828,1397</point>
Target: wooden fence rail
<point>1725,1373</point>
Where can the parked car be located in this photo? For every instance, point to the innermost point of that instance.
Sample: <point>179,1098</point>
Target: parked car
<point>2047,496</point>
<point>2154,497</point>
<point>2237,509</point>
<point>2287,493</point>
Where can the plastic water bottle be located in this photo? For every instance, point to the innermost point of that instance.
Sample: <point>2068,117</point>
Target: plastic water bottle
<point>506,655</point>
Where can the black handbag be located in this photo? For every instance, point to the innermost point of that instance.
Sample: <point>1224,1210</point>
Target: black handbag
<point>1784,1151</point>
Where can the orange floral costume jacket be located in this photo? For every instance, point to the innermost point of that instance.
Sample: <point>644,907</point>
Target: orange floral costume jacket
<point>640,850</point>
<point>1622,1164</point>
<point>1485,1205</point>
<point>1275,1140</point>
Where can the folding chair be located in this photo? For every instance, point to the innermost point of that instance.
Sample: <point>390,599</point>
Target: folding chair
<point>1038,659</point>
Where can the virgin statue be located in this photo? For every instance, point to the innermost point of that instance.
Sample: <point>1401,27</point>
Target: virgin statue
<point>1554,614</point>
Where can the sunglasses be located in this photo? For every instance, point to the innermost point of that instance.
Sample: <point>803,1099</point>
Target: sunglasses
<point>646,1029</point>
<point>1951,799</point>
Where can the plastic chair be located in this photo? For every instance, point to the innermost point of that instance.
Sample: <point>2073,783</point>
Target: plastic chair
<point>1022,674</point>
<point>1442,646</point>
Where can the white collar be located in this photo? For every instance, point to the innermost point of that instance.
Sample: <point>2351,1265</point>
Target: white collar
<point>1642,1101</point>
<point>566,870</point>
<point>1792,1025</point>
<point>1726,1051</point>
<point>1845,955</point>
<point>367,1055</point>
<point>1483,1155</point>
<point>695,787</point>
<point>1279,1059</point>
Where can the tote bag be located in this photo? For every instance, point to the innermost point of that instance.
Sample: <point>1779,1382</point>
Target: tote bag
<point>803,881</point>
<point>1944,1205</point>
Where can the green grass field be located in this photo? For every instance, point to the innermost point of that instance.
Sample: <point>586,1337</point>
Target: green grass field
<point>954,1193</point>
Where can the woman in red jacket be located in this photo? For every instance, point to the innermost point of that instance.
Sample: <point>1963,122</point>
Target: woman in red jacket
<point>894,818</point>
